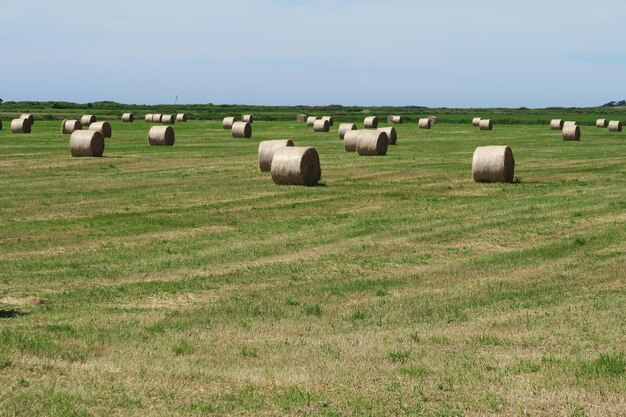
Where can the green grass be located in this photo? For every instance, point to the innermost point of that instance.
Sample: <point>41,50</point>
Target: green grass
<point>183,281</point>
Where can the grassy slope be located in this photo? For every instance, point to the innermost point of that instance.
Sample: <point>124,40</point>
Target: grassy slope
<point>183,281</point>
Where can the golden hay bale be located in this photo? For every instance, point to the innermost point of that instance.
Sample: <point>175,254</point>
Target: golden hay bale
<point>424,123</point>
<point>493,164</point>
<point>181,117</point>
<point>87,119</point>
<point>329,119</point>
<point>485,124</point>
<point>20,126</point>
<point>615,126</point>
<point>128,118</point>
<point>345,127</point>
<point>157,117</point>
<point>350,138</point>
<point>102,127</point>
<point>241,130</point>
<point>310,121</point>
<point>28,116</point>
<point>321,126</point>
<point>148,117</point>
<point>301,117</point>
<point>161,136</point>
<point>476,121</point>
<point>87,143</point>
<point>247,118</point>
<point>168,119</point>
<point>602,123</point>
<point>571,131</point>
<point>395,120</point>
<point>69,126</point>
<point>556,124</point>
<point>433,120</point>
<point>228,122</point>
<point>267,149</point>
<point>370,122</point>
<point>373,142</point>
<point>392,135</point>
<point>296,166</point>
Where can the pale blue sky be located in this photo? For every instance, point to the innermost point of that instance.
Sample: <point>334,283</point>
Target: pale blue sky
<point>452,53</point>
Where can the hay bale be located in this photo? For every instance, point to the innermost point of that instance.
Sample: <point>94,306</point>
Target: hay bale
<point>241,130</point>
<point>87,143</point>
<point>228,122</point>
<point>392,135</point>
<point>148,118</point>
<point>396,120</point>
<point>493,164</point>
<point>310,121</point>
<point>267,148</point>
<point>168,119</point>
<point>301,117</point>
<point>571,131</point>
<point>181,117</point>
<point>602,123</point>
<point>247,118</point>
<point>296,166</point>
<point>345,127</point>
<point>476,121</point>
<point>20,126</point>
<point>615,126</point>
<point>390,119</point>
<point>28,116</point>
<point>70,126</point>
<point>433,120</point>
<point>372,143</point>
<point>157,117</point>
<point>370,122</point>
<point>321,126</point>
<point>102,127</point>
<point>556,124</point>
<point>424,123</point>
<point>161,136</point>
<point>485,124</point>
<point>87,119</point>
<point>128,118</point>
<point>350,139</point>
<point>329,119</point>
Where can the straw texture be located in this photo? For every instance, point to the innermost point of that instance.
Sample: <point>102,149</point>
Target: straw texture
<point>267,149</point>
<point>615,126</point>
<point>28,116</point>
<point>20,126</point>
<point>485,124</point>
<point>424,123</point>
<point>161,136</point>
<point>228,122</point>
<point>329,119</point>
<point>301,117</point>
<point>181,117</point>
<point>372,143</point>
<point>241,130</point>
<point>571,131</point>
<point>370,122</point>
<point>321,126</point>
<point>102,127</point>
<point>87,119</point>
<point>247,118</point>
<point>128,118</point>
<point>70,126</point>
<point>493,164</point>
<point>296,166</point>
<point>310,121</point>
<point>392,135</point>
<point>345,127</point>
<point>476,121</point>
<point>87,143</point>
<point>602,123</point>
<point>556,124</point>
<point>148,118</point>
<point>168,119</point>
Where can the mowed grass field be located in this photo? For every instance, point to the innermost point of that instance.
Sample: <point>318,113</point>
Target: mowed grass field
<point>181,281</point>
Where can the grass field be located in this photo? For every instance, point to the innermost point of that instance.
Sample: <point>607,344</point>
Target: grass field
<point>182,281</point>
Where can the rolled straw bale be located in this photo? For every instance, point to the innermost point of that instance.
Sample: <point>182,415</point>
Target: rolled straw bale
<point>301,117</point>
<point>433,120</point>
<point>476,121</point>
<point>87,143</point>
<point>331,121</point>
<point>350,138</point>
<point>296,166</point>
<point>321,126</point>
<point>392,135</point>
<point>148,117</point>
<point>128,118</point>
<point>102,127</point>
<point>168,119</point>
<point>28,116</point>
<point>345,127</point>
<point>556,124</point>
<point>370,122</point>
<point>227,122</point>
<point>601,123</point>
<point>373,143</point>
<point>247,118</point>
<point>157,117</point>
<point>181,117</point>
<point>571,131</point>
<point>87,119</point>
<point>485,124</point>
<point>241,130</point>
<point>267,148</point>
<point>69,126</point>
<point>424,123</point>
<point>161,136</point>
<point>493,164</point>
<point>615,126</point>
<point>397,120</point>
<point>310,121</point>
<point>20,126</point>
<point>390,119</point>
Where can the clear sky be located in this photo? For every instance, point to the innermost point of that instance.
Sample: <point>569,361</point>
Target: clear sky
<point>448,53</point>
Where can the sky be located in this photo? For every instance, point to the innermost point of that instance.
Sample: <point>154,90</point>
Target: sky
<point>443,53</point>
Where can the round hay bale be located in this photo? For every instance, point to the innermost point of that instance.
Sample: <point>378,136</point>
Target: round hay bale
<point>433,120</point>
<point>148,117</point>
<point>241,130</point>
<point>615,126</point>
<point>571,131</point>
<point>321,126</point>
<point>247,118</point>
<point>310,121</point>
<point>128,118</point>
<point>228,122</point>
<point>392,135</point>
<point>161,136</point>
<point>157,117</point>
<point>370,122</point>
<point>87,143</point>
<point>102,127</point>
<point>345,127</point>
<point>87,119</point>
<point>493,164</point>
<point>70,126</point>
<point>329,119</point>
<point>168,119</point>
<point>301,117</point>
<point>476,121</point>
<point>397,120</point>
<point>20,126</point>
<point>267,148</point>
<point>602,123</point>
<point>296,166</point>
<point>181,117</point>
<point>350,138</point>
<point>556,124</point>
<point>485,124</point>
<point>28,116</point>
<point>424,123</point>
<point>372,143</point>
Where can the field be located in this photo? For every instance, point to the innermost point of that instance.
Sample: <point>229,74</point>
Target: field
<point>182,281</point>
